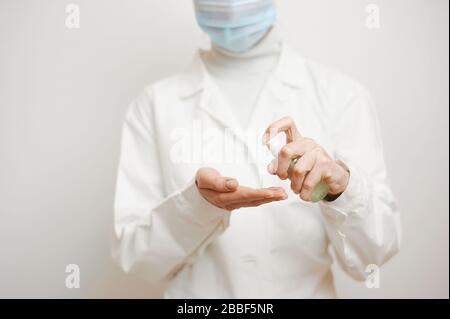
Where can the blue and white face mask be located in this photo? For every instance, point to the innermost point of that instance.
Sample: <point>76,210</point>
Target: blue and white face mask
<point>235,25</point>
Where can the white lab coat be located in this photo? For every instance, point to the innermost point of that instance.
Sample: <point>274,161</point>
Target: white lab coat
<point>166,231</point>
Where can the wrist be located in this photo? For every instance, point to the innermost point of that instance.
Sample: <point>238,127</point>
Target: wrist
<point>332,196</point>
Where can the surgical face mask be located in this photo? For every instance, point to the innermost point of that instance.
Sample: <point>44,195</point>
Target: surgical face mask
<point>235,25</point>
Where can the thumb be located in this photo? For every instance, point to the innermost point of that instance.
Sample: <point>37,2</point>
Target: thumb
<point>209,178</point>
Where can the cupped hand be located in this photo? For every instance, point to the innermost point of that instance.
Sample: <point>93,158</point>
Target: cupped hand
<point>226,193</point>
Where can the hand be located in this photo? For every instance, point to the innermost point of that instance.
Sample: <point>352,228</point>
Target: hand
<point>225,192</point>
<point>314,164</point>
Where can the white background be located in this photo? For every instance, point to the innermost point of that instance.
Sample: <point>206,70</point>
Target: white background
<point>63,94</point>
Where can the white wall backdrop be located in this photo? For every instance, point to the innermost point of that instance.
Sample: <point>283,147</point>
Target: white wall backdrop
<point>63,94</point>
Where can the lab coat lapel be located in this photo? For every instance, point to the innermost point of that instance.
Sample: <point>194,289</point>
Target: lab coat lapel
<point>196,80</point>
<point>213,102</point>
<point>274,102</point>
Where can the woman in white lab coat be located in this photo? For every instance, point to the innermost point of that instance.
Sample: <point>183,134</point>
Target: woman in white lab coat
<point>198,207</point>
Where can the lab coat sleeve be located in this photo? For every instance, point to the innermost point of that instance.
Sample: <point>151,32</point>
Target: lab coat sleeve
<point>363,224</point>
<point>156,234</point>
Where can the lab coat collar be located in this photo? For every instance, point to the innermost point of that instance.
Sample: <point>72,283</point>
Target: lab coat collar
<point>291,68</point>
<point>290,72</point>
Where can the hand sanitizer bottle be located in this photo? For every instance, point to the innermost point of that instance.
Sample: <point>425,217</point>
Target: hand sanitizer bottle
<point>274,145</point>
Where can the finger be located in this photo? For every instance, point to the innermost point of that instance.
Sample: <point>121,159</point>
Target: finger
<point>272,167</point>
<point>248,204</point>
<point>286,125</point>
<point>251,204</point>
<point>209,178</point>
<point>291,151</point>
<point>303,166</point>
<point>246,194</point>
<point>311,180</point>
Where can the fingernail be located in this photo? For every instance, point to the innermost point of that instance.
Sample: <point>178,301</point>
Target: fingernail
<point>230,184</point>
